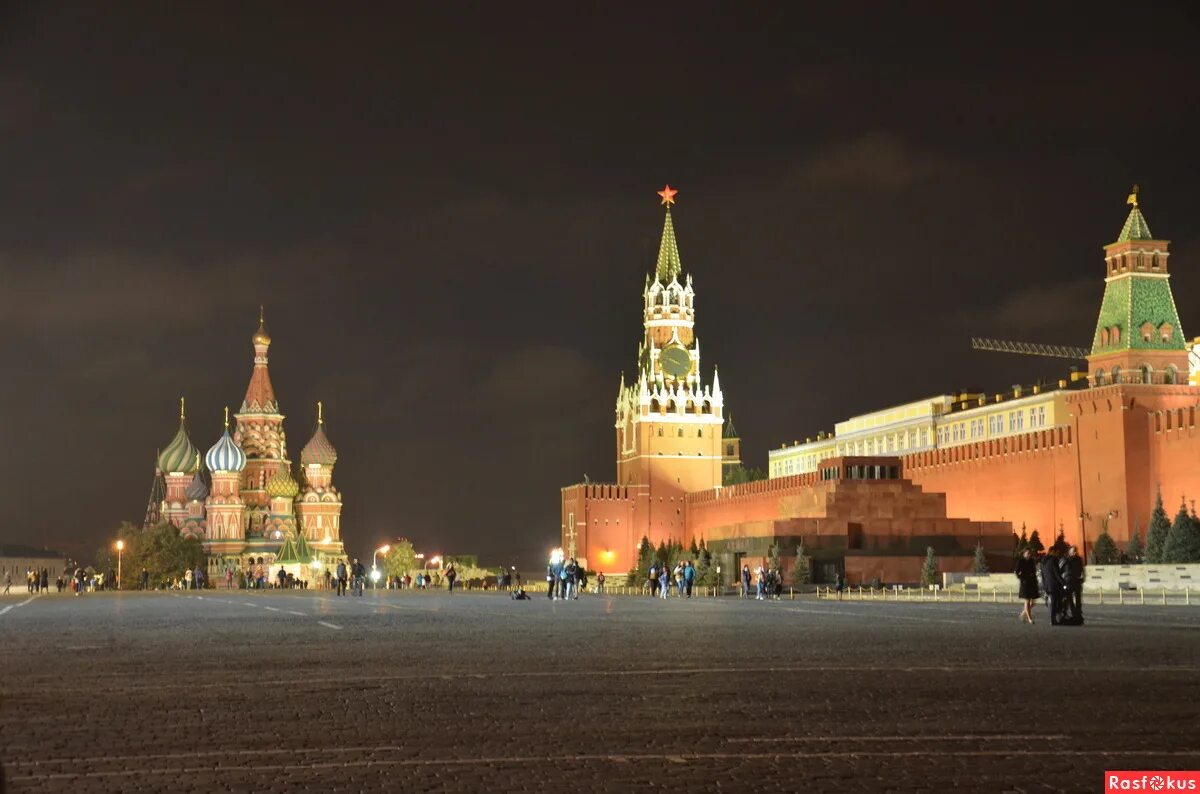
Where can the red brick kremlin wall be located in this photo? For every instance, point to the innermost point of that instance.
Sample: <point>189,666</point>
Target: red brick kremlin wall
<point>1026,479</point>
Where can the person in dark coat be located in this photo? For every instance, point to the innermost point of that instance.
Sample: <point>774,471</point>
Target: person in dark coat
<point>1027,577</point>
<point>1072,578</point>
<point>1052,582</point>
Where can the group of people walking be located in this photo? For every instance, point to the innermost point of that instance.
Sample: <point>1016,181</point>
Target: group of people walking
<point>661,576</point>
<point>1061,584</point>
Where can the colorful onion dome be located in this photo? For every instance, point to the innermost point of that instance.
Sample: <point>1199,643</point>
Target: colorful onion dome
<point>282,484</point>
<point>261,337</point>
<point>180,455</point>
<point>225,455</point>
<point>318,449</point>
<point>197,490</point>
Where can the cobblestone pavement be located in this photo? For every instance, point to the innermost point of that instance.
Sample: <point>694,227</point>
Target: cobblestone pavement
<point>238,691</point>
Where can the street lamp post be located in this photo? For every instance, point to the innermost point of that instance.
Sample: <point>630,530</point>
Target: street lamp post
<point>384,549</point>
<point>120,548</point>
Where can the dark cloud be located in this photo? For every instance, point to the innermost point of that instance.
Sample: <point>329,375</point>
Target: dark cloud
<point>448,213</point>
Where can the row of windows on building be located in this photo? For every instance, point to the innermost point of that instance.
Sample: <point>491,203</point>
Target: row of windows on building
<point>679,432</point>
<point>1112,334</point>
<point>1138,261</point>
<point>973,430</point>
<point>960,432</point>
<point>1143,374</point>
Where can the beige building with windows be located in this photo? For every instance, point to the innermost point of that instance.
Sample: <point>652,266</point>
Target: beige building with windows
<point>933,423</point>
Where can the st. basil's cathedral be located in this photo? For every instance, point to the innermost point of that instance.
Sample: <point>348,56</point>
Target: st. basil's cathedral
<point>241,499</point>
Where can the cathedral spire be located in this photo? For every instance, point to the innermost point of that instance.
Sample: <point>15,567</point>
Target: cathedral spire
<point>669,266</point>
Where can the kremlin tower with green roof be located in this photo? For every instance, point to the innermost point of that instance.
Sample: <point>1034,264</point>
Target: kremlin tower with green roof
<point>242,500</point>
<point>1138,338</point>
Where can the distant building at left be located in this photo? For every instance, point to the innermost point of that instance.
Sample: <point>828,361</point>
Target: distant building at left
<point>16,559</point>
<point>241,498</point>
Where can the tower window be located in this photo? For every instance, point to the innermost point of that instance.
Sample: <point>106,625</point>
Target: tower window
<point>1147,331</point>
<point>679,433</point>
<point>700,433</point>
<point>1165,332</point>
<point>660,432</point>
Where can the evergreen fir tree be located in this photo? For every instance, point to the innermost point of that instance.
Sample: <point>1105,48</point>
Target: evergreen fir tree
<point>1060,543</point>
<point>1134,550</point>
<point>1183,540</point>
<point>1035,544</point>
<point>1022,543</point>
<point>802,571</point>
<point>980,565</point>
<point>1156,534</point>
<point>929,570</point>
<point>773,557</point>
<point>1105,551</point>
<point>662,552</point>
<point>706,574</point>
<point>694,549</point>
<point>645,558</point>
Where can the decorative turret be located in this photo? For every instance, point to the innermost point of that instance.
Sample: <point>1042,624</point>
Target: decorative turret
<point>259,432</point>
<point>197,490</point>
<point>180,455</point>
<point>318,450</point>
<point>225,455</point>
<point>1138,338</point>
<point>178,461</point>
<point>731,443</point>
<point>225,510</point>
<point>319,507</point>
<point>282,485</point>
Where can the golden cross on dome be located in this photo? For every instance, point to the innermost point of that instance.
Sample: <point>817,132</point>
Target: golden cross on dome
<point>668,195</point>
<point>320,413</point>
<point>226,417</point>
<point>1133,196</point>
<point>181,413</point>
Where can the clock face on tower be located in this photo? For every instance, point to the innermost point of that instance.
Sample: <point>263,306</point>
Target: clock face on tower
<point>676,363</point>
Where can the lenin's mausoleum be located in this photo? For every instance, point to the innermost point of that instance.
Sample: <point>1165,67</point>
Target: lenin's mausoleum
<point>949,472</point>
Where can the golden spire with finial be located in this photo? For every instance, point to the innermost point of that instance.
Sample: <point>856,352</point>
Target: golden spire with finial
<point>226,418</point>
<point>320,413</point>
<point>261,337</point>
<point>182,414</point>
<point>1133,197</point>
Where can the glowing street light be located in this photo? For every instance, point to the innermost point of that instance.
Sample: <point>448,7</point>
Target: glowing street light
<point>384,549</point>
<point>120,548</point>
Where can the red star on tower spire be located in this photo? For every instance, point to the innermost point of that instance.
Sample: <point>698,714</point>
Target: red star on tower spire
<point>668,195</point>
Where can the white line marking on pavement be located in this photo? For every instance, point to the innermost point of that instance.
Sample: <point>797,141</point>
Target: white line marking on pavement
<point>621,758</point>
<point>968,737</point>
<point>115,684</point>
<point>271,609</point>
<point>249,603</point>
<point>328,625</point>
<point>387,748</point>
<point>14,606</point>
<point>294,612</point>
<point>876,615</point>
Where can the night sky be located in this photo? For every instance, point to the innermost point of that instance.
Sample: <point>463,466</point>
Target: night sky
<point>449,214</point>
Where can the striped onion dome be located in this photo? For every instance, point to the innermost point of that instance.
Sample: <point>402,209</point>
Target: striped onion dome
<point>318,449</point>
<point>197,490</point>
<point>225,455</point>
<point>180,455</point>
<point>282,484</point>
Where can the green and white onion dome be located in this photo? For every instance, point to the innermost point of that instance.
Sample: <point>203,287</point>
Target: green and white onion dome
<point>318,450</point>
<point>197,489</point>
<point>282,484</point>
<point>180,455</point>
<point>225,455</point>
